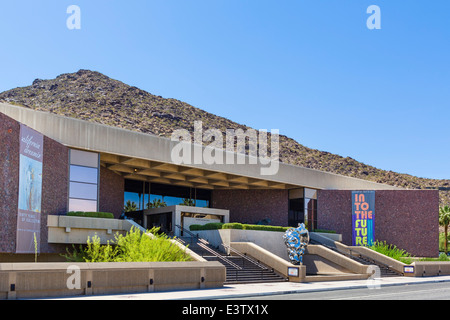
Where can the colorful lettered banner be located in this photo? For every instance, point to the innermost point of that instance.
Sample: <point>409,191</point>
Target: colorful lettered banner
<point>363,217</point>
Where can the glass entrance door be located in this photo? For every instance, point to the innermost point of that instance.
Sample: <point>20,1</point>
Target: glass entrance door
<point>162,221</point>
<point>303,208</point>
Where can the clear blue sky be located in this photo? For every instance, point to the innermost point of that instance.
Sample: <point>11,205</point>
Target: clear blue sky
<point>309,68</point>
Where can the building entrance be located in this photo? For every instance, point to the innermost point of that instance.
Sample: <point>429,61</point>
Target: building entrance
<point>303,208</point>
<point>163,221</point>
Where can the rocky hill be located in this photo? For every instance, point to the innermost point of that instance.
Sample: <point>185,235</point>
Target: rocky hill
<point>92,96</point>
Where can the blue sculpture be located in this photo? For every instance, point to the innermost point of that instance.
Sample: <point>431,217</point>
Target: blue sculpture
<point>296,240</point>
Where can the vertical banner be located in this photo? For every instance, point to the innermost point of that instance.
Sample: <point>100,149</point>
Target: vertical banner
<point>363,217</point>
<point>30,190</point>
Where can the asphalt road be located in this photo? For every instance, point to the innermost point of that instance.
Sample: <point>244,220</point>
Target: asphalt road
<point>425,291</point>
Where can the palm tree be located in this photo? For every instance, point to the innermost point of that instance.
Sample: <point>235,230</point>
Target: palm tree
<point>188,202</point>
<point>444,221</point>
<point>157,203</point>
<point>130,206</point>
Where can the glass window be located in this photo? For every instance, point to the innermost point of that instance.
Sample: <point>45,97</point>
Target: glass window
<point>135,201</point>
<point>296,212</point>
<point>83,174</point>
<point>143,193</point>
<point>202,203</point>
<point>84,158</point>
<point>82,205</point>
<point>303,208</point>
<point>311,214</point>
<point>83,191</point>
<point>83,181</point>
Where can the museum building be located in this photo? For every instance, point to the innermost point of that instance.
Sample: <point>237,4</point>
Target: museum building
<point>52,165</point>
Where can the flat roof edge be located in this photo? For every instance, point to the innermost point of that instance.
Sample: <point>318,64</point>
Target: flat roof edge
<point>82,134</point>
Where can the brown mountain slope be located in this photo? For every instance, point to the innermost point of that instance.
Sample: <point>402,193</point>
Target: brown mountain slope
<point>92,96</point>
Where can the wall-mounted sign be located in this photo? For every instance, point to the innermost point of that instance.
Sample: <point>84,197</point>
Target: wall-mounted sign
<point>363,217</point>
<point>293,272</point>
<point>408,269</point>
<point>30,191</point>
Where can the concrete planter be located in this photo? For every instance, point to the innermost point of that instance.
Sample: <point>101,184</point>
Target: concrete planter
<point>76,230</point>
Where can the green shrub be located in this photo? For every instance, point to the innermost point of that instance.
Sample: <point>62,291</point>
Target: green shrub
<point>105,215</point>
<point>208,226</point>
<point>442,241</point>
<point>264,228</point>
<point>235,225</point>
<point>324,231</point>
<point>442,257</point>
<point>213,226</point>
<point>195,227</point>
<point>391,251</point>
<point>135,246</point>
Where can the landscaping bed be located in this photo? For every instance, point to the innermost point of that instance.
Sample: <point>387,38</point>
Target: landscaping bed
<point>105,215</point>
<point>134,246</point>
<point>239,226</point>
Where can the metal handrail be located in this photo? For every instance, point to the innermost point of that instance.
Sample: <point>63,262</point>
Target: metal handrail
<point>364,257</point>
<point>227,247</point>
<point>244,256</point>
<point>187,231</point>
<point>359,255</point>
<point>205,245</point>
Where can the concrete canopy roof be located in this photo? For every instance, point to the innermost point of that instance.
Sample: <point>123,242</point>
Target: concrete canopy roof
<point>166,173</point>
<point>147,157</point>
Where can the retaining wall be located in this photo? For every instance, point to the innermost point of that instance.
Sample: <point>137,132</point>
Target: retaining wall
<point>38,280</point>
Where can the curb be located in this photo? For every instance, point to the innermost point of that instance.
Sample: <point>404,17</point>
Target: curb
<point>313,289</point>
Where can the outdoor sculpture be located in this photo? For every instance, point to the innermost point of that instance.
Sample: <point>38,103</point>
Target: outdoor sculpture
<point>296,240</point>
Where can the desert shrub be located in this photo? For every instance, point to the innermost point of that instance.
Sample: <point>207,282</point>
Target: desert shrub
<point>135,246</point>
<point>391,251</point>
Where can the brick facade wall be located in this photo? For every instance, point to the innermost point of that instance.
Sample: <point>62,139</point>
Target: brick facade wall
<point>251,206</point>
<point>55,173</point>
<point>112,188</point>
<point>405,218</point>
<point>9,182</point>
<point>55,188</point>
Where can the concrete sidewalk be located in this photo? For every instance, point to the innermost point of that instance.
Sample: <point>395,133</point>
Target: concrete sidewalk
<point>262,289</point>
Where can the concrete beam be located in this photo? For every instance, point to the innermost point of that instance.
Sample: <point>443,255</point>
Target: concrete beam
<point>95,137</point>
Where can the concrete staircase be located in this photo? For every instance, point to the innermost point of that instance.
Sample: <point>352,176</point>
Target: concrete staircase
<point>250,272</point>
<point>240,268</point>
<point>325,260</point>
<point>385,269</point>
